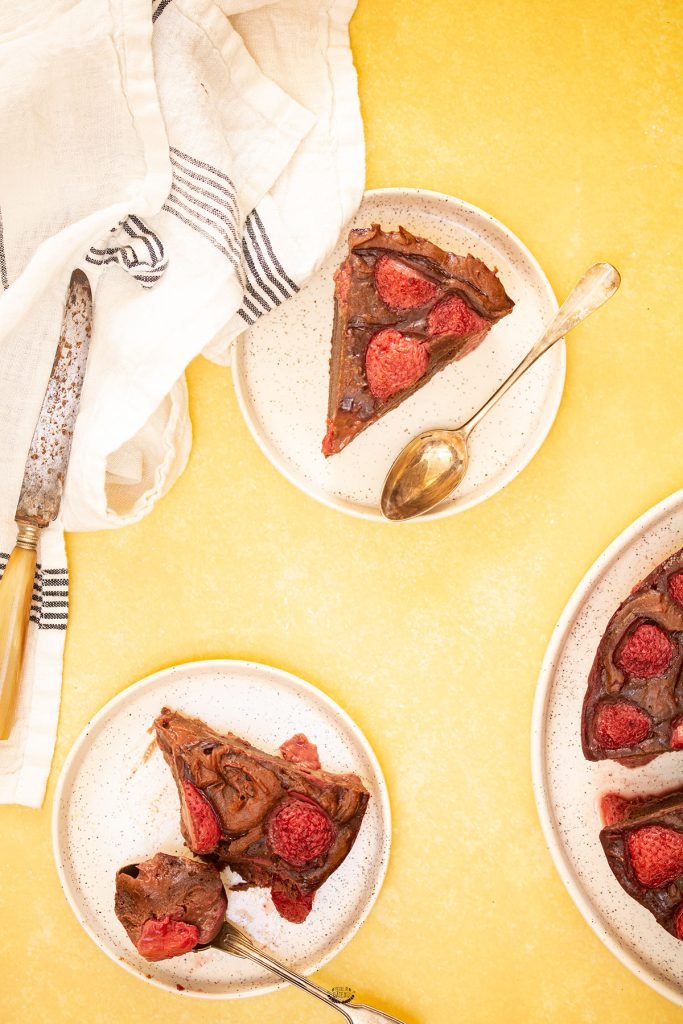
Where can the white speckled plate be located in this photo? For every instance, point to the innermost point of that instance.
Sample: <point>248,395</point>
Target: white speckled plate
<point>568,788</point>
<point>281,370</point>
<point>116,803</point>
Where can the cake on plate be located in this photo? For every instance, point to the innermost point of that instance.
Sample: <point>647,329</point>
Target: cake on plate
<point>279,823</point>
<point>403,310</point>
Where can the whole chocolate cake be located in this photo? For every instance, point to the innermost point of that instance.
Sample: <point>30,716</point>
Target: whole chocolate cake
<point>403,310</point>
<point>168,905</point>
<point>633,708</point>
<point>282,824</point>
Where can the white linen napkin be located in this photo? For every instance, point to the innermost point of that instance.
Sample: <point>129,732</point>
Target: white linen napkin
<point>198,160</point>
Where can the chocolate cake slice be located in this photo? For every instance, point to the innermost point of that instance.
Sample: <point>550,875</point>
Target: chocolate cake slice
<point>277,823</point>
<point>633,708</point>
<point>645,851</point>
<point>403,310</point>
<point>168,905</point>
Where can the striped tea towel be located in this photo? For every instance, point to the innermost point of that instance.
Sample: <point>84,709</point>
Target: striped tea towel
<point>198,160</point>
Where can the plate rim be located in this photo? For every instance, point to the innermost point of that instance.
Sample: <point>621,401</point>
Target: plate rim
<point>551,407</point>
<point>224,663</point>
<point>561,860</point>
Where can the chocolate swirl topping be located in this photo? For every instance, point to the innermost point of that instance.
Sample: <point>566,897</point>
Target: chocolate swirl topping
<point>243,787</point>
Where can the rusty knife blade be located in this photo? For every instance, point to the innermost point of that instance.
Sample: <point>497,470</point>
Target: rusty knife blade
<point>48,457</point>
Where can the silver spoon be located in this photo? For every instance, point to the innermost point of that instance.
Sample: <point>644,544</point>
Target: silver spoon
<point>232,939</point>
<point>434,463</point>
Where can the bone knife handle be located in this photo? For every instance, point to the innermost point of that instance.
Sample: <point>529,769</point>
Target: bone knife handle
<point>16,590</point>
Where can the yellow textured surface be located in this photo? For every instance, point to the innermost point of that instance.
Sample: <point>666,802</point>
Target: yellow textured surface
<point>561,119</point>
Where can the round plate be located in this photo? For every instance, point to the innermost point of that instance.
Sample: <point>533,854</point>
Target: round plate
<point>281,370</point>
<point>116,803</point>
<point>568,788</point>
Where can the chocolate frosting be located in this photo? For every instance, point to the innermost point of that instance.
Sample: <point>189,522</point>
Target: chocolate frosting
<point>662,696</point>
<point>360,313</point>
<point>176,887</point>
<point>245,786</point>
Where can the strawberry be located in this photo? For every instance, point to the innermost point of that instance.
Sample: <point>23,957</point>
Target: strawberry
<point>299,831</point>
<point>620,724</point>
<point>647,652</point>
<point>294,907</point>
<point>394,362</point>
<point>164,938</point>
<point>202,822</point>
<point>676,737</point>
<point>675,586</point>
<point>454,316</point>
<point>613,807</point>
<point>656,855</point>
<point>400,286</point>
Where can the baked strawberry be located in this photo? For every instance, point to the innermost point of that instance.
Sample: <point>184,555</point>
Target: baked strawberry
<point>402,286</point>
<point>647,652</point>
<point>620,724</point>
<point>656,855</point>
<point>394,362</point>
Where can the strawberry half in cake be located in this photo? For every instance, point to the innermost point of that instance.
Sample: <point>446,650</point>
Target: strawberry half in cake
<point>403,310</point>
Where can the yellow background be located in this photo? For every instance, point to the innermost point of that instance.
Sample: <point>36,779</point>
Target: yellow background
<point>562,119</point>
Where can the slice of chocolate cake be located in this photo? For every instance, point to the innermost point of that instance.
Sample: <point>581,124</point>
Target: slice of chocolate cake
<point>168,905</point>
<point>278,823</point>
<point>645,851</point>
<point>403,310</point>
<point>633,708</point>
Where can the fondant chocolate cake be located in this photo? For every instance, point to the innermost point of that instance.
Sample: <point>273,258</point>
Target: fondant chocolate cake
<point>645,851</point>
<point>403,310</point>
<point>279,823</point>
<point>168,905</point>
<point>633,708</point>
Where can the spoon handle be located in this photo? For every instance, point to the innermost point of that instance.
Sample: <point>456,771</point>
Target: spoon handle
<point>232,939</point>
<point>596,286</point>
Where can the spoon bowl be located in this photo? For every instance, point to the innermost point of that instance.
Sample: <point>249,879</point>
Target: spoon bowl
<point>429,468</point>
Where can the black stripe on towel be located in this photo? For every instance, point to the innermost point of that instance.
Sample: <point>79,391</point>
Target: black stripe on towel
<point>146,261</point>
<point>204,226</point>
<point>269,249</point>
<point>186,158</point>
<point>204,199</point>
<point>160,7</point>
<point>3,262</point>
<point>184,164</point>
<point>264,271</point>
<point>44,578</point>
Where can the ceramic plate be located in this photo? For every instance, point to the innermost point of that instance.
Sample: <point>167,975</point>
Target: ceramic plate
<point>568,788</point>
<point>116,803</point>
<point>281,370</point>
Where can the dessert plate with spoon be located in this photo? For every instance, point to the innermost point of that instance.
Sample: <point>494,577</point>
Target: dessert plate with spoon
<point>281,366</point>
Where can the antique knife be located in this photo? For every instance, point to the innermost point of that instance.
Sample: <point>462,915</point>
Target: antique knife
<point>41,491</point>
